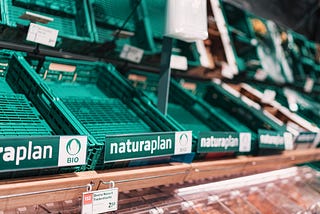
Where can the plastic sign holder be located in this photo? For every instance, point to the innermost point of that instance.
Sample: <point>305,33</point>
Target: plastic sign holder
<point>147,145</point>
<point>224,142</point>
<point>131,53</point>
<point>275,140</point>
<point>22,153</point>
<point>33,17</point>
<point>38,33</point>
<point>42,35</point>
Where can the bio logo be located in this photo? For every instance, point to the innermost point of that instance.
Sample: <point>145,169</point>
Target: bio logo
<point>73,147</point>
<point>183,139</point>
<point>183,142</point>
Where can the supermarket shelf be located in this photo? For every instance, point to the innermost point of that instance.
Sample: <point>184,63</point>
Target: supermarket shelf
<point>27,191</point>
<point>250,165</point>
<point>43,51</point>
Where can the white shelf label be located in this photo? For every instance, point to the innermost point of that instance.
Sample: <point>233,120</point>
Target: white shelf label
<point>260,75</point>
<point>42,35</point>
<point>288,141</point>
<point>227,71</point>
<point>100,201</point>
<point>131,53</point>
<point>245,142</point>
<point>179,62</point>
<point>268,96</point>
<point>308,86</point>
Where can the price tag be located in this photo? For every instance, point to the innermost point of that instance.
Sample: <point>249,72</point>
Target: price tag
<point>100,201</point>
<point>131,53</point>
<point>42,35</point>
<point>179,62</point>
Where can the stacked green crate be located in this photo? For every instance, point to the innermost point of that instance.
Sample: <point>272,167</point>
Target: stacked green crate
<point>255,43</point>
<point>302,54</point>
<point>270,52</point>
<point>145,27</point>
<point>71,18</point>
<point>302,104</point>
<point>156,11</point>
<point>188,110</point>
<point>253,115</point>
<point>89,98</point>
<point>242,37</point>
<point>108,17</point>
<point>19,118</point>
<point>2,15</point>
<point>267,52</point>
<point>245,110</point>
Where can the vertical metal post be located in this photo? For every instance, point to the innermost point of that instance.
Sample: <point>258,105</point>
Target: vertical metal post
<point>165,73</point>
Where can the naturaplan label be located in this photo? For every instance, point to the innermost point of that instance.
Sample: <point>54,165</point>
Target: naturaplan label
<point>40,152</point>
<point>224,142</point>
<point>138,146</point>
<point>305,137</point>
<point>275,140</point>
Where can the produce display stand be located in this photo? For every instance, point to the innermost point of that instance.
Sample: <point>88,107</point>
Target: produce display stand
<point>47,189</point>
<point>50,92</point>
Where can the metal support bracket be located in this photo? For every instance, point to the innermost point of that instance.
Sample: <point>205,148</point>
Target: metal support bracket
<point>165,73</point>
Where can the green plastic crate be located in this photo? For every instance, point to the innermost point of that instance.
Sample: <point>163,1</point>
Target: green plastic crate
<point>147,24</point>
<point>302,55</point>
<point>90,99</point>
<point>307,108</point>
<point>112,14</point>
<point>19,77</point>
<point>71,18</point>
<point>156,11</point>
<point>183,102</point>
<point>271,53</point>
<point>305,47</point>
<point>238,20</point>
<point>251,116</point>
<point>175,110</point>
<point>19,117</point>
<point>242,37</point>
<point>255,44</point>
<point>2,14</point>
<point>108,16</point>
<point>186,109</point>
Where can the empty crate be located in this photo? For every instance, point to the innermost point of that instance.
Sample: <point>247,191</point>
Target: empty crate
<point>71,18</point>
<point>19,118</point>
<point>189,111</point>
<point>88,98</point>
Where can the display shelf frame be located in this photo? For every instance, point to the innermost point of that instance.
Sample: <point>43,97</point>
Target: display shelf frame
<point>15,193</point>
